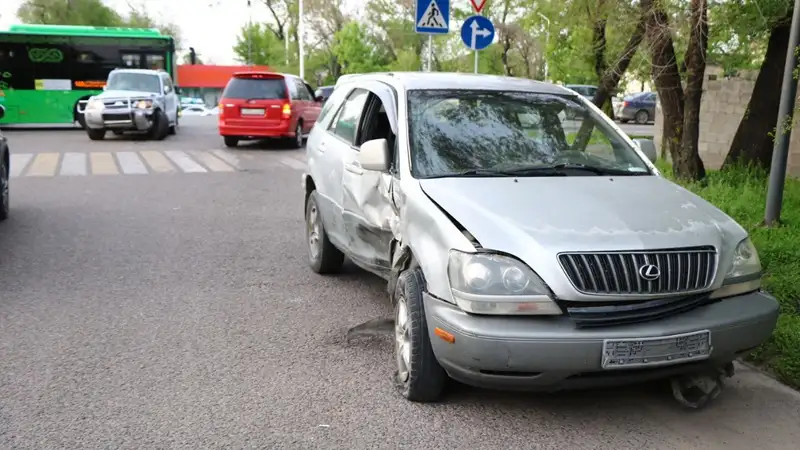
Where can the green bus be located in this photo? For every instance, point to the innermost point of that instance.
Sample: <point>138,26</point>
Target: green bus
<point>47,70</point>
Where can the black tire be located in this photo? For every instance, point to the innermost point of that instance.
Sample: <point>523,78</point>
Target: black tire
<point>80,118</point>
<point>297,141</point>
<point>95,134</point>
<point>230,141</point>
<point>5,196</point>
<point>642,117</point>
<point>173,130</point>
<point>323,256</point>
<point>160,128</point>
<point>419,377</point>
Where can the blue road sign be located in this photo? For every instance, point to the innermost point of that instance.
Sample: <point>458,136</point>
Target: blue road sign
<point>477,32</point>
<point>432,17</point>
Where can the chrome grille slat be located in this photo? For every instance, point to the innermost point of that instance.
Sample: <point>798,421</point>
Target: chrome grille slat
<point>618,273</point>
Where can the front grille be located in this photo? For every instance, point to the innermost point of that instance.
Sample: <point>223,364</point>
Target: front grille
<point>605,314</point>
<point>676,271</point>
<point>116,116</point>
<point>112,104</point>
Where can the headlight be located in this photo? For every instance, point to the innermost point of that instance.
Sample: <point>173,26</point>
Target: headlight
<point>745,272</point>
<point>486,283</point>
<point>95,104</point>
<point>144,104</point>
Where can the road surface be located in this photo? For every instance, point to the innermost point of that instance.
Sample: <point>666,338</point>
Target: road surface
<point>174,309</point>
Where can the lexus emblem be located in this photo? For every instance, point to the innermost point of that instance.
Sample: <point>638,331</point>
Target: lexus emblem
<point>649,272</point>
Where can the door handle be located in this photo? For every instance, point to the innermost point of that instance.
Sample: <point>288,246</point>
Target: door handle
<point>354,167</point>
<point>321,147</point>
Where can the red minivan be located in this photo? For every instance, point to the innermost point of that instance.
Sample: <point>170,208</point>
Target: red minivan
<point>259,105</point>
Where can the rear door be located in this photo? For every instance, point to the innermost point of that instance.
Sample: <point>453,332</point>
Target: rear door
<point>255,99</point>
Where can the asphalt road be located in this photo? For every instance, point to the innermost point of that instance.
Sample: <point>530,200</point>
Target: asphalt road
<point>174,309</point>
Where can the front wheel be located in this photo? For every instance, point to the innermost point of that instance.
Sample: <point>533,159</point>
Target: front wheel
<point>173,130</point>
<point>160,128</point>
<point>298,135</point>
<point>419,377</point>
<point>95,134</point>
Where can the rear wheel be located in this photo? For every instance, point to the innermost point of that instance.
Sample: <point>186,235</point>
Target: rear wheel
<point>5,199</point>
<point>79,117</point>
<point>95,134</point>
<point>323,256</point>
<point>174,128</point>
<point>298,135</point>
<point>231,141</point>
<point>642,117</point>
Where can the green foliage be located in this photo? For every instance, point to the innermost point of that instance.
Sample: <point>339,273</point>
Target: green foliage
<point>355,50</point>
<point>741,193</point>
<point>257,45</point>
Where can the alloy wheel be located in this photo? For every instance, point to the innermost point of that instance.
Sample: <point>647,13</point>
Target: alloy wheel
<point>314,233</point>
<point>402,338</point>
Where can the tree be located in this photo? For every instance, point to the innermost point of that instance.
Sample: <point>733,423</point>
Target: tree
<point>68,12</point>
<point>355,51</point>
<point>258,44</point>
<point>691,164</point>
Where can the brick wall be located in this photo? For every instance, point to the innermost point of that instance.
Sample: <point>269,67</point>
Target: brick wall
<point>723,106</point>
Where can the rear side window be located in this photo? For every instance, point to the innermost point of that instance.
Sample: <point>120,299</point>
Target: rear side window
<point>255,89</point>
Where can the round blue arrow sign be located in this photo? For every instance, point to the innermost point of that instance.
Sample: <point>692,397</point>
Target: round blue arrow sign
<point>477,32</point>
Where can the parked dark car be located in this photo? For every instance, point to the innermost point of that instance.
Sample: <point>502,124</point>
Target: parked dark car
<point>324,92</point>
<point>641,108</point>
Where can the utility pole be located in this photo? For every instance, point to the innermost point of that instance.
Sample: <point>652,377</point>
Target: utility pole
<point>249,35</point>
<point>546,43</point>
<point>780,152</point>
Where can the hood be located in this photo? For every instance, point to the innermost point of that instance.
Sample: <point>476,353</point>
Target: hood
<point>124,94</point>
<point>535,218</point>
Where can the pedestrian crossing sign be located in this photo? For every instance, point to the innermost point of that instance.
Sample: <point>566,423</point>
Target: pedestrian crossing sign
<point>432,17</point>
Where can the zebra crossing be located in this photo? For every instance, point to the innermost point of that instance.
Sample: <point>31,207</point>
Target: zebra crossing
<point>143,162</point>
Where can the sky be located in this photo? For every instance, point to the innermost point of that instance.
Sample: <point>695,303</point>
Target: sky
<point>206,25</point>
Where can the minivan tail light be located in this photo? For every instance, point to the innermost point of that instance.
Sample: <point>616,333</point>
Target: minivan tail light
<point>287,110</point>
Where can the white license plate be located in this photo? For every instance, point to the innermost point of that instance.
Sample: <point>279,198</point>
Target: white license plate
<point>252,112</point>
<point>656,351</point>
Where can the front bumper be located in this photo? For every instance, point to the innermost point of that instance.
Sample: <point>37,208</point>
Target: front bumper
<point>550,353</point>
<point>119,119</point>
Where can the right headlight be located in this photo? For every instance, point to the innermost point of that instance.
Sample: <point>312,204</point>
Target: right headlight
<point>745,272</point>
<point>489,283</point>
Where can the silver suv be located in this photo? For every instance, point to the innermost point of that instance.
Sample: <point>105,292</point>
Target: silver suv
<point>134,100</point>
<point>522,250</point>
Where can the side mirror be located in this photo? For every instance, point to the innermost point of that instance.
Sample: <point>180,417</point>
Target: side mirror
<point>374,155</point>
<point>2,111</point>
<point>648,147</point>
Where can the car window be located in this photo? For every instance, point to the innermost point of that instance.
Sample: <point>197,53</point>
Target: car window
<point>134,81</point>
<point>453,131</point>
<point>293,89</point>
<point>331,107</point>
<point>346,122</point>
<point>167,83</point>
<point>255,88</point>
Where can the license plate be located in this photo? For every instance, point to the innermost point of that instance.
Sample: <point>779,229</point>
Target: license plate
<point>252,112</point>
<point>656,351</point>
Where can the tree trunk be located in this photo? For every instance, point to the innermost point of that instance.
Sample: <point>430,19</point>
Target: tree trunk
<point>695,68</point>
<point>599,47</point>
<point>668,85</point>
<point>610,80</point>
<point>753,141</point>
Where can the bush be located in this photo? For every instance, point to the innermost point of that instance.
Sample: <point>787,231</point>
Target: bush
<point>742,193</point>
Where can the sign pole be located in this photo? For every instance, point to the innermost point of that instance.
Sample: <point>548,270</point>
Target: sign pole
<point>430,53</point>
<point>477,32</point>
<point>476,61</point>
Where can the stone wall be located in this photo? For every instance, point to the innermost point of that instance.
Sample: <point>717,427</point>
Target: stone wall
<point>723,106</point>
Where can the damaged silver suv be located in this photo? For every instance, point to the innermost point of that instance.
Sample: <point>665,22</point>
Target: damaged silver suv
<point>526,241</point>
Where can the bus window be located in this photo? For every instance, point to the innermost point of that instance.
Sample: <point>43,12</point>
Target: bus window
<point>155,62</point>
<point>131,60</point>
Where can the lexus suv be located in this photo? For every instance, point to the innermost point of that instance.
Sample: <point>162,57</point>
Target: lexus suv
<point>522,250</point>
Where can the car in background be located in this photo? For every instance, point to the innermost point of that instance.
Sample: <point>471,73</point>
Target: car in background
<point>196,110</point>
<point>639,107</point>
<point>261,105</point>
<point>5,172</point>
<point>585,90</point>
<point>324,92</point>
<point>590,284</point>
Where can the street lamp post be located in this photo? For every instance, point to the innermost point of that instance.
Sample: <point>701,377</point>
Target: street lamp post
<point>300,31</point>
<point>249,34</point>
<point>546,43</point>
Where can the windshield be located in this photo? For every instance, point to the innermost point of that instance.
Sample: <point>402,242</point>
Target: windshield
<point>128,81</point>
<point>454,132</point>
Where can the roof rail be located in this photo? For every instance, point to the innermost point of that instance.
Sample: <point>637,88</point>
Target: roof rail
<point>350,76</point>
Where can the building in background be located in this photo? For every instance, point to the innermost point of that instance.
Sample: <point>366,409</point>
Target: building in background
<point>207,82</point>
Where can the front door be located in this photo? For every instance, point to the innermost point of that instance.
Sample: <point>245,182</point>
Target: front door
<point>368,209</point>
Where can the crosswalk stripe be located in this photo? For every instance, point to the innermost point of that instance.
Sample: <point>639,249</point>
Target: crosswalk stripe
<point>229,158</point>
<point>103,164</point>
<point>19,161</point>
<point>73,164</point>
<point>130,163</point>
<point>157,161</point>
<point>293,163</point>
<point>44,165</point>
<point>183,161</point>
<point>214,163</point>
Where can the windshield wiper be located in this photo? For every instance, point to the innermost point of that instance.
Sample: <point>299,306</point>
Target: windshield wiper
<point>560,167</point>
<point>540,171</point>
